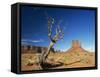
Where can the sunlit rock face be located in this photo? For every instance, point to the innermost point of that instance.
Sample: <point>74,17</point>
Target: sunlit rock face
<point>76,46</point>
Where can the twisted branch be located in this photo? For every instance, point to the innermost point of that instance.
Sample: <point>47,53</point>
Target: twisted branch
<point>53,39</point>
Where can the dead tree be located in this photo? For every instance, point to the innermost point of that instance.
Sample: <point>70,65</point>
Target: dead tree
<point>53,39</point>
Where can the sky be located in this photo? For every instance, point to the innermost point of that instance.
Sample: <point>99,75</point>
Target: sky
<point>77,24</point>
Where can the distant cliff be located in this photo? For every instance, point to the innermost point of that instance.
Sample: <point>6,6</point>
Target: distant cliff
<point>76,46</point>
<point>33,49</point>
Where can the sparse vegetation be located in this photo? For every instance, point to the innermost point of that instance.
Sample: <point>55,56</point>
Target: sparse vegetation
<point>64,58</point>
<point>72,58</point>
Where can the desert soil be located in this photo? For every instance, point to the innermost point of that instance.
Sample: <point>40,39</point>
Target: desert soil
<point>75,59</point>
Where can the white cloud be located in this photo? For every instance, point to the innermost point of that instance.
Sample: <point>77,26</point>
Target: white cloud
<point>23,40</point>
<point>34,41</point>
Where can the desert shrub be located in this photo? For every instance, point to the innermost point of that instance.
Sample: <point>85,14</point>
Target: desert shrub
<point>78,54</point>
<point>85,54</point>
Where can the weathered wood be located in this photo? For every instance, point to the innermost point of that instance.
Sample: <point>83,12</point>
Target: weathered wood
<point>59,35</point>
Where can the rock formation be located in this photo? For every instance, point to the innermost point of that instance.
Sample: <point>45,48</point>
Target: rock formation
<point>33,49</point>
<point>76,46</point>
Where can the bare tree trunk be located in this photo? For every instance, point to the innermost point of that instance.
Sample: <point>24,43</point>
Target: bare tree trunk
<point>44,55</point>
<point>59,35</point>
<point>48,51</point>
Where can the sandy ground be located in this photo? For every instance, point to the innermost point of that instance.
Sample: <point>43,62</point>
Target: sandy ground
<point>75,59</point>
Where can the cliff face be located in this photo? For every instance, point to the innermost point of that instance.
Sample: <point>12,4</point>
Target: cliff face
<point>34,49</point>
<point>76,46</point>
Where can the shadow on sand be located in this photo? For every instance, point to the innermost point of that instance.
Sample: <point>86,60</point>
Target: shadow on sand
<point>47,65</point>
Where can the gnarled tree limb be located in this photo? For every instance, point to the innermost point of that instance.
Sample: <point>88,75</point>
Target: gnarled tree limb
<point>53,39</point>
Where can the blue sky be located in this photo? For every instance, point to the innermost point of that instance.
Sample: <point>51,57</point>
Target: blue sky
<point>77,24</point>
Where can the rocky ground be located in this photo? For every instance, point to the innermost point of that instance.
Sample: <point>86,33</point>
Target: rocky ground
<point>70,59</point>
